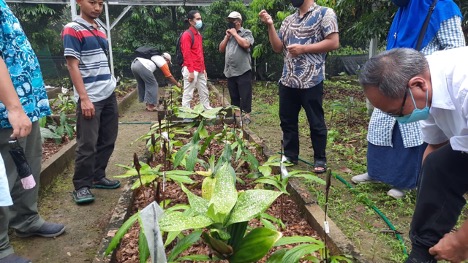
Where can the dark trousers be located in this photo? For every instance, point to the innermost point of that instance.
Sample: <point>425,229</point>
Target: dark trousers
<point>290,102</point>
<point>240,91</point>
<point>95,141</point>
<point>440,200</point>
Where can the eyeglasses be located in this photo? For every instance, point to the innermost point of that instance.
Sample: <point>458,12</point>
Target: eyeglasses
<point>400,113</point>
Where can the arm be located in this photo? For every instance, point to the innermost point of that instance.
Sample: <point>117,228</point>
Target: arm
<point>453,246</point>
<point>167,73</point>
<point>450,34</point>
<point>18,119</point>
<point>242,42</point>
<point>87,107</point>
<point>275,41</point>
<point>331,42</point>
<point>432,147</point>
<point>223,44</point>
<point>186,49</point>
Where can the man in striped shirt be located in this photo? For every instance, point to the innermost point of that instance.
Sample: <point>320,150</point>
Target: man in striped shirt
<point>86,46</point>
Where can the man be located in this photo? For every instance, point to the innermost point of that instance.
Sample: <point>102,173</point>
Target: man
<point>85,48</point>
<point>305,37</point>
<point>405,84</point>
<point>23,100</point>
<point>143,70</point>
<point>237,45</point>
<point>193,68</point>
<point>395,150</point>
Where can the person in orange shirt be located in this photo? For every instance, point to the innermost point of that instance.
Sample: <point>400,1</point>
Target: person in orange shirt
<point>143,70</point>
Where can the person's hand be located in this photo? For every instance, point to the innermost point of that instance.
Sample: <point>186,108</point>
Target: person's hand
<point>191,77</point>
<point>450,248</point>
<point>206,74</point>
<point>179,85</point>
<point>20,123</point>
<point>265,17</point>
<point>231,32</point>
<point>295,49</point>
<point>87,109</point>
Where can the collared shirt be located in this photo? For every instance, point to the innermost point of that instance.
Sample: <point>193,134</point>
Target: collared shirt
<point>379,133</point>
<point>193,54</point>
<point>158,61</point>
<point>237,59</point>
<point>81,44</point>
<point>449,106</point>
<point>24,69</point>
<point>306,70</point>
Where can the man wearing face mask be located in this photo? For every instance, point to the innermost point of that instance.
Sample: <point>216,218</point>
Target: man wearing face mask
<point>237,45</point>
<point>193,68</point>
<point>305,37</point>
<point>395,150</point>
<point>434,90</point>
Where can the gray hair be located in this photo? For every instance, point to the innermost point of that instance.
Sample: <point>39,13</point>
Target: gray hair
<point>390,71</point>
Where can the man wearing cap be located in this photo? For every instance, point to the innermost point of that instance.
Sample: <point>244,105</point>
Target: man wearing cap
<point>143,70</point>
<point>237,45</point>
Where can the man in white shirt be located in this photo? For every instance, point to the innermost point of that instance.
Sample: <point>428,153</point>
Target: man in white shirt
<point>434,90</point>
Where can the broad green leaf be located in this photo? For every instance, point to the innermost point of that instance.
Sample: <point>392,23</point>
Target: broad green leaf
<point>208,187</point>
<point>297,252</point>
<point>277,257</point>
<point>192,159</point>
<point>298,239</point>
<point>180,179</point>
<point>224,195</point>
<point>271,181</point>
<point>121,232</point>
<point>179,172</point>
<point>255,245</point>
<point>251,203</point>
<point>194,258</point>
<point>180,155</point>
<point>184,244</point>
<point>197,204</point>
<point>143,249</point>
<point>170,237</point>
<point>177,221</point>
<point>265,170</point>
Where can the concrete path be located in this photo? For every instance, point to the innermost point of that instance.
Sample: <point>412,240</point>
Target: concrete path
<point>85,225</point>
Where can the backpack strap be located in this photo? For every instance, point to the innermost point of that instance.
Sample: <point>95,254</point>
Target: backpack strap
<point>191,37</point>
<point>99,40</point>
<point>424,27</point>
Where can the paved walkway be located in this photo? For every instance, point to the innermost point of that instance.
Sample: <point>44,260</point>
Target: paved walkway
<point>85,225</point>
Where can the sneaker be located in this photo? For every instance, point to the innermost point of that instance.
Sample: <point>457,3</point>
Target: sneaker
<point>105,183</point>
<point>362,178</point>
<point>83,195</point>
<point>46,230</point>
<point>13,258</point>
<point>396,193</point>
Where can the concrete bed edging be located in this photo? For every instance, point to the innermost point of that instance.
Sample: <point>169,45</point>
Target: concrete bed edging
<point>337,242</point>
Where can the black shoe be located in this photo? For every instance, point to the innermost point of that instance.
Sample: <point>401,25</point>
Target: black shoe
<point>83,196</point>
<point>13,258</point>
<point>105,183</point>
<point>46,230</point>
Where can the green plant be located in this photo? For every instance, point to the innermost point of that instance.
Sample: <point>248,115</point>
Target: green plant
<point>63,130</point>
<point>224,215</point>
<point>64,103</point>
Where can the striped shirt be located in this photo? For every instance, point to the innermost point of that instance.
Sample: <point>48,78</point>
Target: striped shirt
<point>81,44</point>
<point>306,70</point>
<point>380,128</point>
<point>24,69</point>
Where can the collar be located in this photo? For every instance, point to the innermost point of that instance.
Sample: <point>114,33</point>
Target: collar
<point>194,30</point>
<point>84,22</point>
<point>311,8</point>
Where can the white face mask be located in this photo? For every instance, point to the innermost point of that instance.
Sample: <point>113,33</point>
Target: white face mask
<point>198,24</point>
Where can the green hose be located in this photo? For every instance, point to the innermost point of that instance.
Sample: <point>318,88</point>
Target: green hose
<point>371,205</point>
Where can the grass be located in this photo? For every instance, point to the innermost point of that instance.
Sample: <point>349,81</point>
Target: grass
<point>347,120</point>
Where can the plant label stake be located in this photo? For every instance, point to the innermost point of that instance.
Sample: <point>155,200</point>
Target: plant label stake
<point>326,226</point>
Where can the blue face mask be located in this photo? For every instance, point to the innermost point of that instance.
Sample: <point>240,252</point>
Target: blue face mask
<point>198,24</point>
<point>417,114</point>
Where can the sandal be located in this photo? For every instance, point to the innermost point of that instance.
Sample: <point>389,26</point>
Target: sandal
<point>320,167</point>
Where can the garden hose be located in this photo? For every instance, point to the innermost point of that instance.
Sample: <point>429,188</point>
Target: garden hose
<point>371,205</point>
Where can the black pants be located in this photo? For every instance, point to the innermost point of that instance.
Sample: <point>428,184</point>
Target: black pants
<point>442,184</point>
<point>95,141</point>
<point>290,102</point>
<point>240,91</point>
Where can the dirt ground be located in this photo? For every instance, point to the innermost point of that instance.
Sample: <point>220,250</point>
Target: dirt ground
<point>85,225</point>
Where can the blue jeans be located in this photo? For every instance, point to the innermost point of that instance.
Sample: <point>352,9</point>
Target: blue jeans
<point>95,141</point>
<point>290,102</point>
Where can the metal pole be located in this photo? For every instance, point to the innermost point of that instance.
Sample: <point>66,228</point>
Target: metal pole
<point>73,9</point>
<point>109,38</point>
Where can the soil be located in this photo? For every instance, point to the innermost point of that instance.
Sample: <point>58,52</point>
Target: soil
<point>283,208</point>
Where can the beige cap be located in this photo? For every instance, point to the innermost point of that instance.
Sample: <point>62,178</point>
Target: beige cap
<point>235,15</point>
<point>167,56</point>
